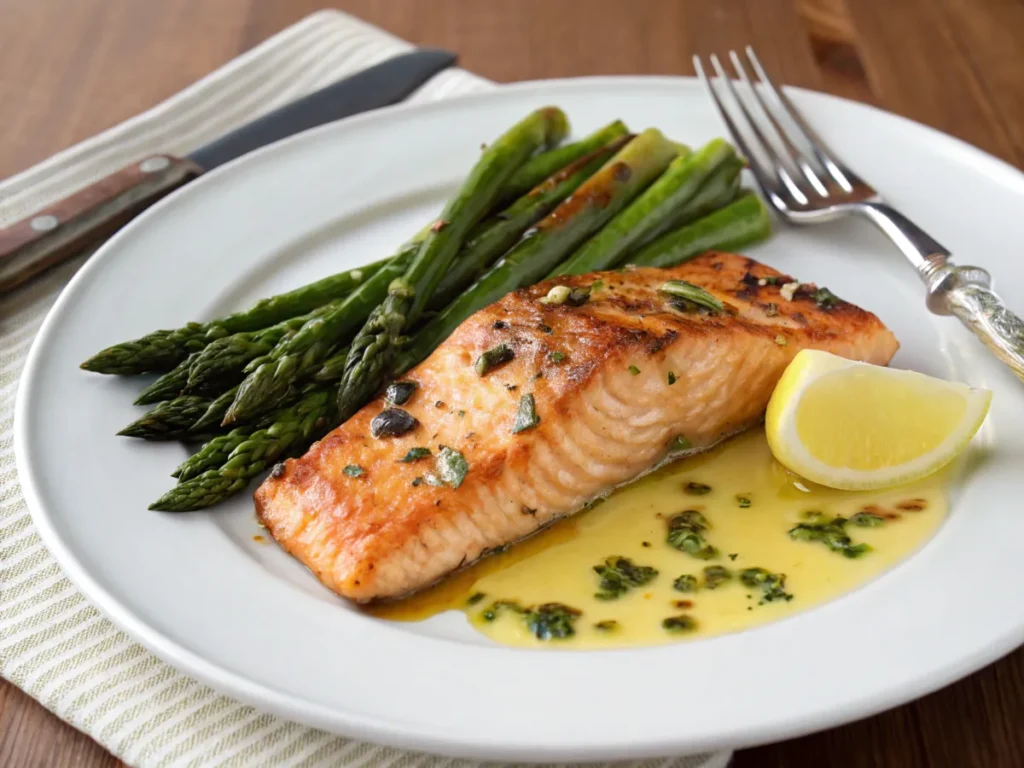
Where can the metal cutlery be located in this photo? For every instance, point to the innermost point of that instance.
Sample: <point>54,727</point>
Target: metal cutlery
<point>806,183</point>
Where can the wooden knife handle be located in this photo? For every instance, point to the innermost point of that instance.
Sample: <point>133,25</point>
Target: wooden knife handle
<point>55,234</point>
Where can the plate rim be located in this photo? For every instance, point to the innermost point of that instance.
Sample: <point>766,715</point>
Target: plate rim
<point>388,732</point>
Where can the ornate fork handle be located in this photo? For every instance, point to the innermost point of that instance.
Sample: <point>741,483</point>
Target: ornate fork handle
<point>964,292</point>
<point>981,310</point>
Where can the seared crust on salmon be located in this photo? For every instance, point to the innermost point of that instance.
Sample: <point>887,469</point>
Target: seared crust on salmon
<point>615,382</point>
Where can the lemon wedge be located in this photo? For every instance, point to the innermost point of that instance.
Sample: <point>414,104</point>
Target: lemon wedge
<point>857,426</point>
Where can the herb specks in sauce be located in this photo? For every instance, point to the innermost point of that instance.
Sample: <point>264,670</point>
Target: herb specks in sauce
<point>619,575</point>
<point>679,624</point>
<point>686,533</point>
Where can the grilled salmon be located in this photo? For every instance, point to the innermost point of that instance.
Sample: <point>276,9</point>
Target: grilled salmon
<point>533,408</point>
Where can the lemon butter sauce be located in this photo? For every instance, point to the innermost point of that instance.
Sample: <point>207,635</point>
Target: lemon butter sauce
<point>710,544</point>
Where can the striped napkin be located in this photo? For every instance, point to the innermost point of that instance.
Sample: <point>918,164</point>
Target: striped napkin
<point>53,644</point>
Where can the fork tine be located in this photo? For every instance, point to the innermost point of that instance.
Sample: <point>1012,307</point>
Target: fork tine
<point>835,167</point>
<point>768,150</point>
<point>795,155</point>
<point>765,182</point>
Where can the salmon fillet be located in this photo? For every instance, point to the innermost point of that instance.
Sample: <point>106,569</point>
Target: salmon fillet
<point>599,375</point>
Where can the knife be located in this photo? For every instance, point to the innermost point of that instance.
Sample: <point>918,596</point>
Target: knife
<point>66,228</point>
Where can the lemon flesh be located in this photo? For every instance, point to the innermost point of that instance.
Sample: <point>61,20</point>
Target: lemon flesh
<point>857,426</point>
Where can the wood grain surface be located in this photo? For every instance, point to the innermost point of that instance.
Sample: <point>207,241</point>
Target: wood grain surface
<point>70,68</point>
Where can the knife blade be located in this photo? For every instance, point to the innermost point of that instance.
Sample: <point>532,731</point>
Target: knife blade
<point>90,215</point>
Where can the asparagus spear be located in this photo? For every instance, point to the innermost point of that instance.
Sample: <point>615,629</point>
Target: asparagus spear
<point>373,349</point>
<point>333,368</point>
<point>215,452</point>
<point>296,357</point>
<point>224,362</point>
<point>647,215</point>
<point>493,237</point>
<point>720,189</point>
<point>741,223</point>
<point>162,350</point>
<point>293,429</point>
<point>540,167</point>
<point>168,386</point>
<point>169,420</point>
<point>596,201</point>
<point>212,417</point>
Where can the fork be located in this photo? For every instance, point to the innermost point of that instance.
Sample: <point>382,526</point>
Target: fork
<point>806,183</point>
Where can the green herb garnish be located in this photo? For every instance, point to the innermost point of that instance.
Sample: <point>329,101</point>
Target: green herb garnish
<point>416,481</point>
<point>634,370</point>
<point>494,358</point>
<point>743,500</point>
<point>491,613</point>
<point>690,297</point>
<point>415,454</point>
<point>354,470</point>
<point>771,309</point>
<point>597,285</point>
<point>825,299</point>
<point>686,533</point>
<point>831,533</point>
<point>772,585</point>
<point>696,489</point>
<point>685,583</point>
<point>452,467</point>
<point>475,598</point>
<point>671,378</point>
<point>867,520</point>
<point>526,415</point>
<point>546,328</point>
<point>608,625</point>
<point>619,575</point>
<point>552,621</point>
<point>679,624</point>
<point>556,357</point>
<point>715,576</point>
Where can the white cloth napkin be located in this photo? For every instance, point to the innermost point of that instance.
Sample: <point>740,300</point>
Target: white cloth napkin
<point>53,643</point>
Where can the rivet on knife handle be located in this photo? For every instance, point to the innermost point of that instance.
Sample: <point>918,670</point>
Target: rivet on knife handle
<point>55,234</point>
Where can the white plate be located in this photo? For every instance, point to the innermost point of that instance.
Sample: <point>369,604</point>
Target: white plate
<point>241,616</point>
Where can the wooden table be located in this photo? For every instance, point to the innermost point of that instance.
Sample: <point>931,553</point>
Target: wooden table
<point>70,68</point>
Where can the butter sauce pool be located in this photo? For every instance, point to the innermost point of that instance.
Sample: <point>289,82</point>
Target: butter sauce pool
<point>545,593</point>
